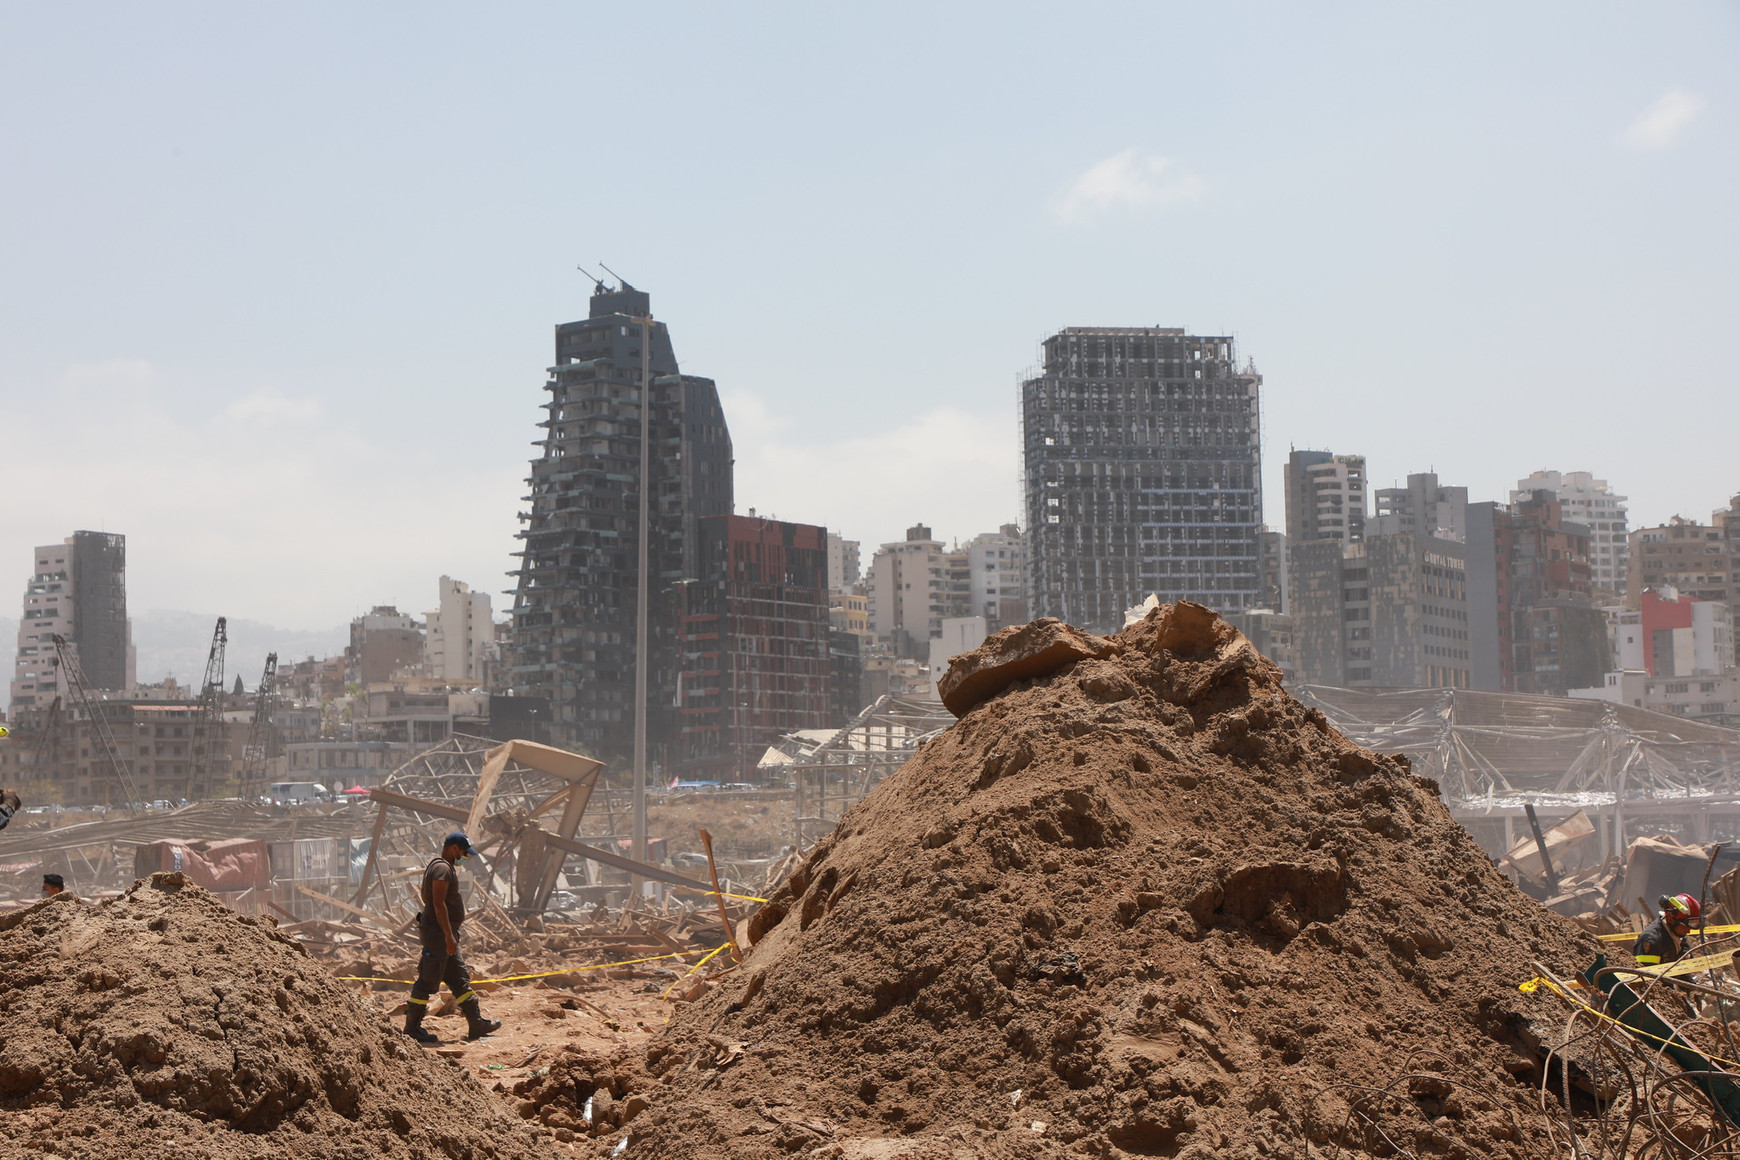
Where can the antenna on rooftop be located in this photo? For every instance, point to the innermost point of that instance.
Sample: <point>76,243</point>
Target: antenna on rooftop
<point>597,282</point>
<point>618,277</point>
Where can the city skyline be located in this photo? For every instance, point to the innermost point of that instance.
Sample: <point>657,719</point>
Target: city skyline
<point>299,326</point>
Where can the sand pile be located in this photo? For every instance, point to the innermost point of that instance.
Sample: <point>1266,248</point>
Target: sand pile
<point>1139,901</point>
<point>162,1024</point>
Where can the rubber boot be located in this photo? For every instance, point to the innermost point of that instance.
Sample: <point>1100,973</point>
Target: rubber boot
<point>414,1013</point>
<point>476,1026</point>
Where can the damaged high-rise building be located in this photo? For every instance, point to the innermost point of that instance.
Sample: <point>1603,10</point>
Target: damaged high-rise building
<point>77,591</point>
<point>1536,628</point>
<point>1142,474</point>
<point>1390,608</point>
<point>572,635</point>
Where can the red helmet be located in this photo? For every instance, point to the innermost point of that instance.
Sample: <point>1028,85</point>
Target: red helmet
<point>1683,905</point>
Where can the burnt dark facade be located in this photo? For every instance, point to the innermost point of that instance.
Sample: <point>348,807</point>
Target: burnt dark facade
<point>99,581</point>
<point>572,634</point>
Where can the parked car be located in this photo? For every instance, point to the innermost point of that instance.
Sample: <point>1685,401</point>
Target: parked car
<point>690,863</point>
<point>291,792</point>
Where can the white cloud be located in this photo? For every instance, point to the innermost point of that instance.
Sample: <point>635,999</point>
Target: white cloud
<point>1660,125</point>
<point>1130,180</point>
<point>267,407</point>
<point>943,467</point>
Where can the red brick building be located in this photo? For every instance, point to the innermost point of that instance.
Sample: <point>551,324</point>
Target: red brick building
<point>753,641</point>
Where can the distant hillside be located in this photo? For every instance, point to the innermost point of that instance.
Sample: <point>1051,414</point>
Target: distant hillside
<point>177,644</point>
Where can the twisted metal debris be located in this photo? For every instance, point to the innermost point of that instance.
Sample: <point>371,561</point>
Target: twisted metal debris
<point>1606,1091</point>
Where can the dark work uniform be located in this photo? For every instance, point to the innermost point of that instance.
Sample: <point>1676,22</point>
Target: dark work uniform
<point>436,966</point>
<point>1657,944</point>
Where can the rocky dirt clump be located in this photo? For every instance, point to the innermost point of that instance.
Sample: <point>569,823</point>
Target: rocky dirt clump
<point>584,1091</point>
<point>1139,901</point>
<point>162,1024</point>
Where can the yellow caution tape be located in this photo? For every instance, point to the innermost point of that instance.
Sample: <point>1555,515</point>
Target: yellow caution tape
<point>597,967</point>
<point>1673,970</point>
<point>722,894</point>
<point>1532,984</point>
<point>1687,966</point>
<point>693,969</point>
<point>1626,935</point>
<point>547,974</point>
<point>1667,971</point>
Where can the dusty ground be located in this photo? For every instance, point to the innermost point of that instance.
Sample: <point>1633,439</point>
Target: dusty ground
<point>755,824</point>
<point>541,1025</point>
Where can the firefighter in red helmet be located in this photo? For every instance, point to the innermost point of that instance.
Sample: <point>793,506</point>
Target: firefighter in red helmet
<point>1664,940</point>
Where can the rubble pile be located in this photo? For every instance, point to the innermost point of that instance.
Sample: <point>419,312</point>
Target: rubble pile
<point>162,1024</point>
<point>1139,901</point>
<point>583,1091</point>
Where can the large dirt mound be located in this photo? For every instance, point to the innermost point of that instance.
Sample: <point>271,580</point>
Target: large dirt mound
<point>163,1024</point>
<point>1144,903</point>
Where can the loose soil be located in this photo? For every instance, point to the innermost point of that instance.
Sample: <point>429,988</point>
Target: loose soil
<point>162,1024</point>
<point>1141,904</point>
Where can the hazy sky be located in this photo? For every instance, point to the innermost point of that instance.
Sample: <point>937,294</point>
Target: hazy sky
<point>277,281</point>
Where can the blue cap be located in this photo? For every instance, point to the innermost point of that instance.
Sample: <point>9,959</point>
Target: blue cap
<point>457,838</point>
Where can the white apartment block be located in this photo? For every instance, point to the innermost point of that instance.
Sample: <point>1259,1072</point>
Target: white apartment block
<point>843,563</point>
<point>459,637</point>
<point>1711,697</point>
<point>48,611</point>
<point>1422,508</point>
<point>960,634</point>
<point>908,591</point>
<point>51,609</point>
<point>1591,502</point>
<point>997,567</point>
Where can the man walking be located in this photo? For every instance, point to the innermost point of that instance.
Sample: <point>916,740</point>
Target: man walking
<point>438,927</point>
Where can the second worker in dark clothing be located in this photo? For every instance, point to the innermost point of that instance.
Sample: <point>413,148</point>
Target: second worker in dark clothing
<point>438,927</point>
<point>1664,940</point>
